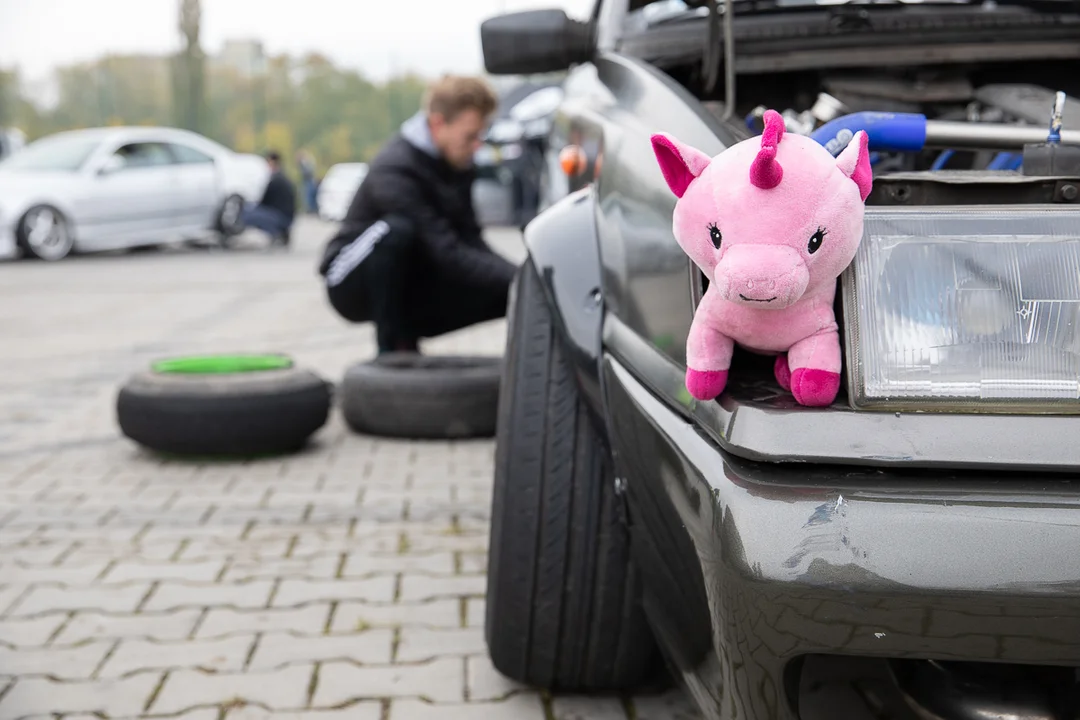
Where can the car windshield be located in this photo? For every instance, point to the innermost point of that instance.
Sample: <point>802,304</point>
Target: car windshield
<point>64,153</point>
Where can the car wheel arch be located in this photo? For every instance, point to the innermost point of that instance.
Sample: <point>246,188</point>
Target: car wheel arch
<point>563,244</point>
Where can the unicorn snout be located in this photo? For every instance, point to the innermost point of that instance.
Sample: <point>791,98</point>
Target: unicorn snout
<point>768,276</point>
<point>769,284</point>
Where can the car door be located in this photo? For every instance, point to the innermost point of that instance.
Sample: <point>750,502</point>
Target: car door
<point>130,199</point>
<point>197,192</point>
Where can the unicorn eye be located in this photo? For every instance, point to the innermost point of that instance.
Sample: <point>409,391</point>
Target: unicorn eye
<point>714,235</point>
<point>815,240</point>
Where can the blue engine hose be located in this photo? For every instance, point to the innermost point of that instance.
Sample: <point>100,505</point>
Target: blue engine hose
<point>942,159</point>
<point>895,132</point>
<point>1005,161</point>
<point>889,132</point>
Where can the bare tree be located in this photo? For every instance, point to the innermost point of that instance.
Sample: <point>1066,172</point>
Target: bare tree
<point>8,95</point>
<point>189,76</point>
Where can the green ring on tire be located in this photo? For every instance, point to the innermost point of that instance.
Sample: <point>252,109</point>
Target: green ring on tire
<point>221,364</point>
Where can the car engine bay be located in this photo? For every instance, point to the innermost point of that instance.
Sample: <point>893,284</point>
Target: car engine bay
<point>973,158</point>
<point>970,129</point>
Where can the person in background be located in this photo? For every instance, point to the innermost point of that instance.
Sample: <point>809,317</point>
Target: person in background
<point>409,254</point>
<point>275,212</point>
<point>307,177</point>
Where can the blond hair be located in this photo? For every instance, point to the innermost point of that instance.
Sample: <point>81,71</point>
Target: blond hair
<point>452,95</point>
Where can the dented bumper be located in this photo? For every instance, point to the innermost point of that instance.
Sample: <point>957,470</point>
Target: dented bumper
<point>749,567</point>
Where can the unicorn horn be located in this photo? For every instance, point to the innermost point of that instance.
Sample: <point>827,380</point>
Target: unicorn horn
<point>765,171</point>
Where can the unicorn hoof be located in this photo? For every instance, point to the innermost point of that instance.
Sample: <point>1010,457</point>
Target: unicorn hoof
<point>782,372</point>
<point>706,384</point>
<point>814,388</point>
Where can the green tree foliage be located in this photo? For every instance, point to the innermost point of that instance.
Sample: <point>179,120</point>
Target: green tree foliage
<point>15,110</point>
<point>296,103</point>
<point>8,97</point>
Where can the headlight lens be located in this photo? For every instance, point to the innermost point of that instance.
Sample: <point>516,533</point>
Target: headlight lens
<point>966,309</point>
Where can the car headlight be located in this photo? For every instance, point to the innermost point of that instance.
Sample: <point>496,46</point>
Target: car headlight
<point>965,310</point>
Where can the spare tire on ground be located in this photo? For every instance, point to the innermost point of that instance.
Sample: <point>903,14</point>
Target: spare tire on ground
<point>409,395</point>
<point>224,405</point>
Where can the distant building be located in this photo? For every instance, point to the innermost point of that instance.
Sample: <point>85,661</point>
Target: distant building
<point>244,57</point>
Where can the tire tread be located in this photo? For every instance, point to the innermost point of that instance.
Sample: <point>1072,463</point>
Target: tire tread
<point>422,402</point>
<point>198,423</point>
<point>563,606</point>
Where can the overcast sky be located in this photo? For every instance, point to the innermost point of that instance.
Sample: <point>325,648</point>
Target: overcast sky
<point>375,36</point>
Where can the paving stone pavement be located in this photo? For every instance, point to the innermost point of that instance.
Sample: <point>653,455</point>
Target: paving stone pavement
<point>343,582</point>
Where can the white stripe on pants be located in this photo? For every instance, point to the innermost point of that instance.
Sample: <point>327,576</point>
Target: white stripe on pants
<point>355,252</point>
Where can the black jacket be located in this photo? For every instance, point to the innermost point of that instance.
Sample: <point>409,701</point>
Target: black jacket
<point>403,180</point>
<point>280,194</point>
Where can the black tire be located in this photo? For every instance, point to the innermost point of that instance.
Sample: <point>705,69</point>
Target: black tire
<point>241,414</point>
<point>228,224</point>
<point>563,597</point>
<point>56,247</point>
<point>408,395</point>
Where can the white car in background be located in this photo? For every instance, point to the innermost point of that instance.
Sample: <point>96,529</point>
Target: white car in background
<point>337,189</point>
<point>114,188</point>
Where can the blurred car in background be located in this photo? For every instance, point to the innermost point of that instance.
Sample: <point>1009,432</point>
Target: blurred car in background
<point>510,163</point>
<point>114,188</point>
<point>337,189</point>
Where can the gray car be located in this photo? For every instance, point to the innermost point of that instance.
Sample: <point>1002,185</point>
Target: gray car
<point>121,187</point>
<point>909,551</point>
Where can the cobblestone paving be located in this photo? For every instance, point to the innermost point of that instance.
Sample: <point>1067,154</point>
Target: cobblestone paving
<point>343,582</point>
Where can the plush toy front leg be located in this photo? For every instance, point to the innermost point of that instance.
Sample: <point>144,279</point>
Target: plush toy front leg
<point>815,369</point>
<point>708,359</point>
<point>782,371</point>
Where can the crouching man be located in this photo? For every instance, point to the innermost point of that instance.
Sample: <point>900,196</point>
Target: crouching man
<point>409,254</point>
<point>274,214</point>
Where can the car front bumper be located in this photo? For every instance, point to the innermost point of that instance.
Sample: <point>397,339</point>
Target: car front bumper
<point>8,246</point>
<point>751,566</point>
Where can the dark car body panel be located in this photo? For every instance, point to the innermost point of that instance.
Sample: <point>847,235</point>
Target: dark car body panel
<point>563,247</point>
<point>801,560</point>
<point>766,532</point>
<point>755,420</point>
<point>612,107</point>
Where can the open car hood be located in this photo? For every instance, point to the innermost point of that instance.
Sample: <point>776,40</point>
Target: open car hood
<point>664,9</point>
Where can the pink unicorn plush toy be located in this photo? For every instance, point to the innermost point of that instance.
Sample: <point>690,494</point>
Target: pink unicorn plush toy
<point>772,222</point>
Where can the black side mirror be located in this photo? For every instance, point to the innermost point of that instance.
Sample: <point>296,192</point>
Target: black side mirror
<point>535,41</point>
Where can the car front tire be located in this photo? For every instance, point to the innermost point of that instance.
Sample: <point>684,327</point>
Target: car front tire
<point>229,223</point>
<point>44,233</point>
<point>563,597</point>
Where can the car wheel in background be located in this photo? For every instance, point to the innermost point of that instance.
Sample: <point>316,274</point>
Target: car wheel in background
<point>224,405</point>
<point>44,233</point>
<point>409,395</point>
<point>563,596</point>
<point>229,223</point>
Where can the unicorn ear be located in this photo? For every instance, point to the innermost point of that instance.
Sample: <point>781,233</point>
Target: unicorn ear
<point>679,163</point>
<point>854,162</point>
